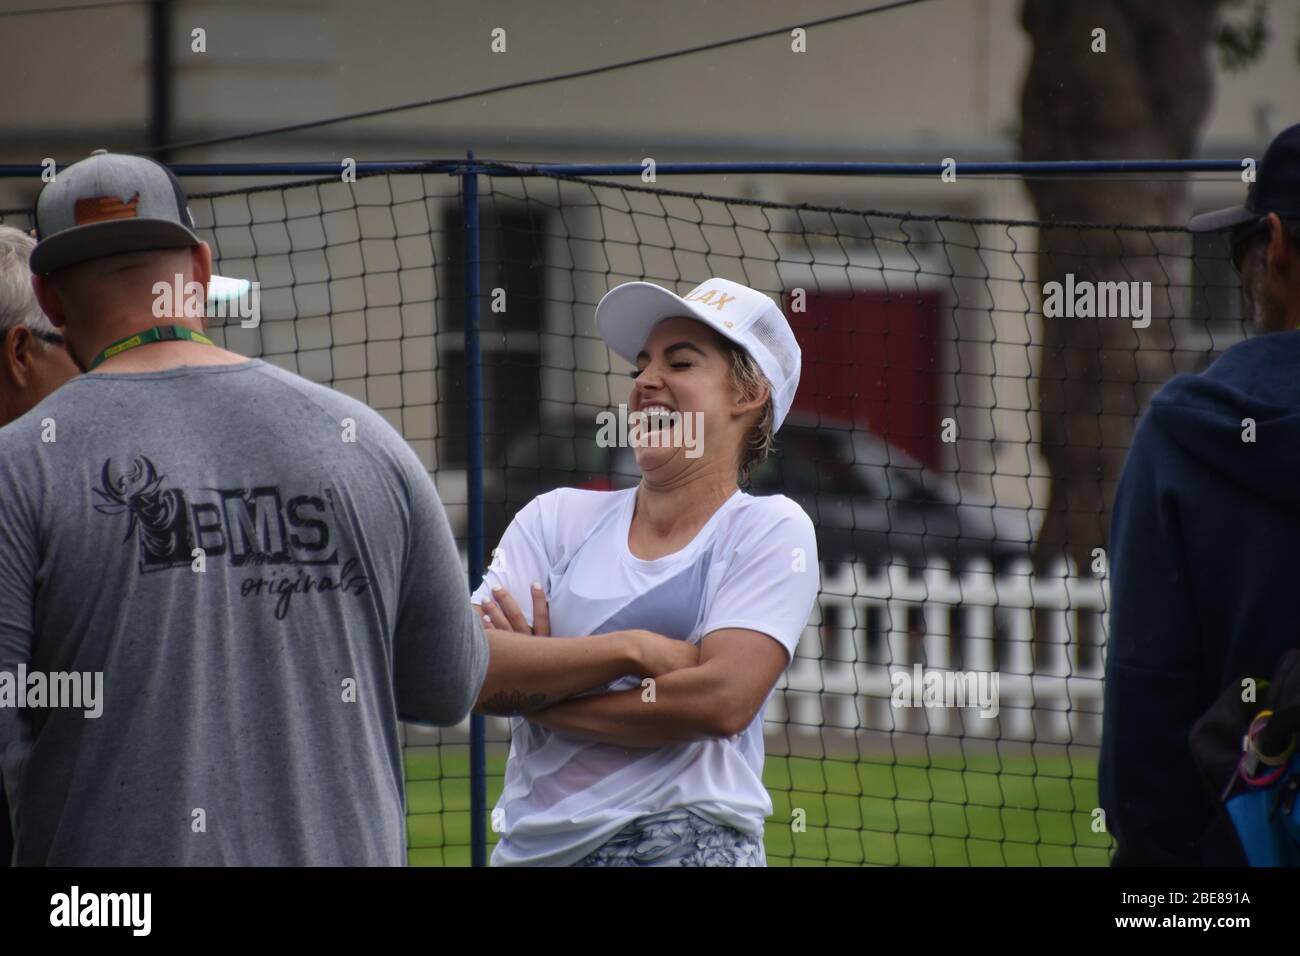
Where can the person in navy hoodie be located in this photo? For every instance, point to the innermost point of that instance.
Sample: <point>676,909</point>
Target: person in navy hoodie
<point>1204,539</point>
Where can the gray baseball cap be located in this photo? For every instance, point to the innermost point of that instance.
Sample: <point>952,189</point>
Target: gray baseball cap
<point>111,203</point>
<point>108,204</point>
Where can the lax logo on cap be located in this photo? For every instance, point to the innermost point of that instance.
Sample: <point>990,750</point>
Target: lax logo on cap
<point>714,297</point>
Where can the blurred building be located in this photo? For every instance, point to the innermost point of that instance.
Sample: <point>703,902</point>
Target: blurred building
<point>362,283</point>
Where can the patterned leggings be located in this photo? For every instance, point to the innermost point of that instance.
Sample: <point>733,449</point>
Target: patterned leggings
<point>677,838</point>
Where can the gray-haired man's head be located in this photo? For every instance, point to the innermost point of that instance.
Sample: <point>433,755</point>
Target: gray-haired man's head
<point>33,360</point>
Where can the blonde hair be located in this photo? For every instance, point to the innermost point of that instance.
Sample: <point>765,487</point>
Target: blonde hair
<point>749,379</point>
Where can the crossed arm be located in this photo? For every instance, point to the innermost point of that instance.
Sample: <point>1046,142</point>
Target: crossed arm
<point>716,698</point>
<point>525,674</point>
<point>714,690</point>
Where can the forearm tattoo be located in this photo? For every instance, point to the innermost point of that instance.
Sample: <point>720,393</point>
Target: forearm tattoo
<point>511,703</point>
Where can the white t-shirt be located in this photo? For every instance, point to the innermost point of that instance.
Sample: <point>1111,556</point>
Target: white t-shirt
<point>753,565</point>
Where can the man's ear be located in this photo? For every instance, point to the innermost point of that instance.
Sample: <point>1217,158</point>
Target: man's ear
<point>9,353</point>
<point>48,297</point>
<point>1279,250</point>
<point>201,263</point>
<point>16,355</point>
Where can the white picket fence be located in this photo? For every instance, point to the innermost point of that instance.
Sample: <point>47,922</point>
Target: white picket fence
<point>870,625</point>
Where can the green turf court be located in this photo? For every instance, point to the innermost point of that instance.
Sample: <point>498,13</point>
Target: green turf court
<point>950,812</point>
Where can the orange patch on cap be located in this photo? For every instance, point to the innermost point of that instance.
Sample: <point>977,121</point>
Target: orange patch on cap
<point>103,208</point>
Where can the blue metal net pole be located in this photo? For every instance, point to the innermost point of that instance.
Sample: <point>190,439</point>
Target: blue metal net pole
<point>474,479</point>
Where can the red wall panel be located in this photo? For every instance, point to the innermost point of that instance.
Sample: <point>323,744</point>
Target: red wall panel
<point>872,359</point>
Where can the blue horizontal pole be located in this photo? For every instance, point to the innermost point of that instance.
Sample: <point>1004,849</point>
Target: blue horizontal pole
<point>888,169</point>
<point>457,166</point>
<point>272,169</point>
<point>461,166</point>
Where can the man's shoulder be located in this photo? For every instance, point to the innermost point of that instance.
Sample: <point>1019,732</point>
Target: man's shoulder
<point>320,393</point>
<point>343,410</point>
<point>1258,367</point>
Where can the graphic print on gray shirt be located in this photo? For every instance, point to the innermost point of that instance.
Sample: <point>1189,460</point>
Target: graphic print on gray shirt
<point>292,537</point>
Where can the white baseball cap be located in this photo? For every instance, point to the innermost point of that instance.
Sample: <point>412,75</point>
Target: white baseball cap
<point>627,313</point>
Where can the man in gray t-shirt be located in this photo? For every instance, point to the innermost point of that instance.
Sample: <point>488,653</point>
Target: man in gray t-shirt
<point>221,586</point>
<point>250,694</point>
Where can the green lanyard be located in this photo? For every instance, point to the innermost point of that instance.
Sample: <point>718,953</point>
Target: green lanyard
<point>159,333</point>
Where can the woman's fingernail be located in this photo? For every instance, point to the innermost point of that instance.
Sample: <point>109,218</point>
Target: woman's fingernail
<point>487,620</point>
<point>536,586</point>
<point>486,605</point>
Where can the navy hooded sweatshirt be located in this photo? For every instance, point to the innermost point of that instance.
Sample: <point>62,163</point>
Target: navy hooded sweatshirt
<point>1205,588</point>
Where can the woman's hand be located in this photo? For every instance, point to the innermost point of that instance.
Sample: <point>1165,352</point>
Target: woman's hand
<point>504,613</point>
<point>656,654</point>
<point>652,654</point>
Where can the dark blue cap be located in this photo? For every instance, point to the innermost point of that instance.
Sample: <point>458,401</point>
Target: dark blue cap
<point>1276,188</point>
